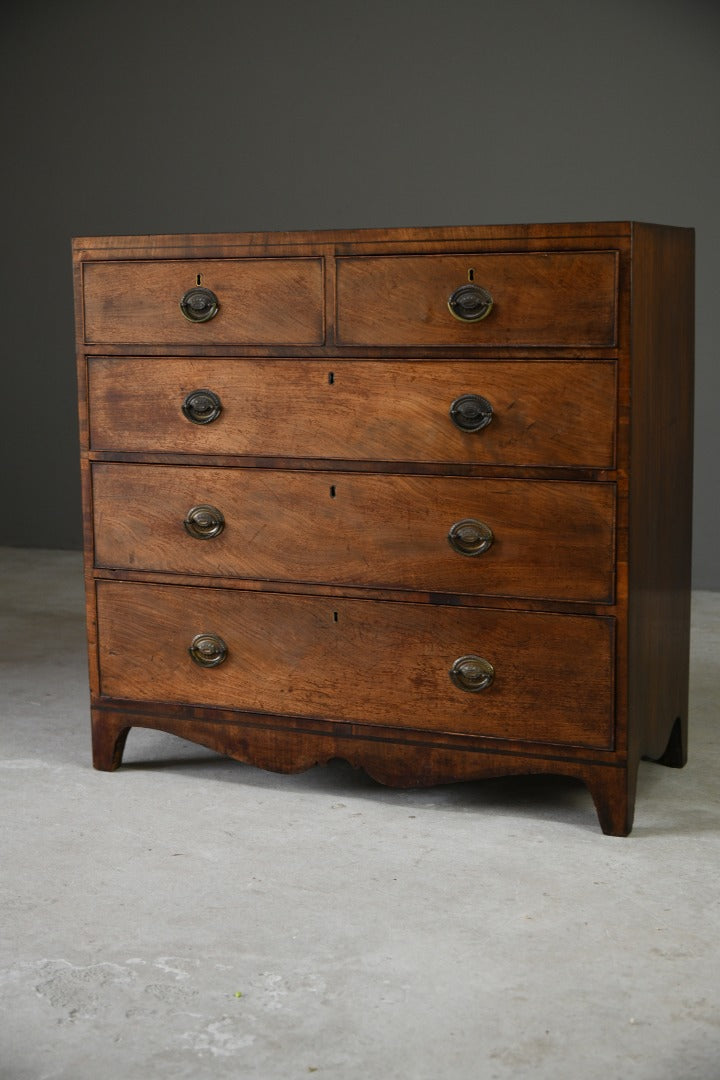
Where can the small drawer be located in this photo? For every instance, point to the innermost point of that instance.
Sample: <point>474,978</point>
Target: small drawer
<point>520,538</point>
<point>499,674</point>
<point>559,413</point>
<point>204,302</point>
<point>539,299</point>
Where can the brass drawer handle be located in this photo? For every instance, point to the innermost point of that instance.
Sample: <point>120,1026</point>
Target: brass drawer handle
<point>472,673</point>
<point>203,522</point>
<point>202,406</point>
<point>470,303</point>
<point>208,650</point>
<point>470,537</point>
<point>199,304</point>
<point>471,412</point>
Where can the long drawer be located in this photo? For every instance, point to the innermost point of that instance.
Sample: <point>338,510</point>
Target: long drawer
<point>559,413</point>
<point>506,675</point>
<point>259,301</point>
<point>525,538</point>
<point>538,299</point>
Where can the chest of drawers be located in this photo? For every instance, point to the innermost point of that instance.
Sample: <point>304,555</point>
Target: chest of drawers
<point>415,498</point>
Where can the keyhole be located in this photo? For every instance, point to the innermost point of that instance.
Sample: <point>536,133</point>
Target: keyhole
<point>198,279</point>
<point>332,491</point>
<point>471,274</point>
<point>335,616</point>
<point>331,377</point>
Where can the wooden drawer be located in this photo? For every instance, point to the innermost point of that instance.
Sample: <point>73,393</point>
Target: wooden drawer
<point>549,539</point>
<point>261,301</point>
<point>539,299</point>
<point>559,413</point>
<point>370,662</point>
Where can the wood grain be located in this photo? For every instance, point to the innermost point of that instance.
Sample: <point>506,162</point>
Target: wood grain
<point>276,301</point>
<point>558,413</point>
<point>407,764</point>
<point>660,544</point>
<point>338,468</point>
<point>355,660</point>
<point>553,298</point>
<point>551,539</point>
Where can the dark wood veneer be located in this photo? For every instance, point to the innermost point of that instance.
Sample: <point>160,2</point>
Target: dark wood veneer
<point>338,467</point>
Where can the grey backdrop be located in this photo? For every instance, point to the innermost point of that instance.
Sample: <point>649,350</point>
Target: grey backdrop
<point>213,115</point>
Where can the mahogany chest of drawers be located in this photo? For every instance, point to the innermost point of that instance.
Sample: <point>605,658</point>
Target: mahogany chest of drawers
<point>415,498</point>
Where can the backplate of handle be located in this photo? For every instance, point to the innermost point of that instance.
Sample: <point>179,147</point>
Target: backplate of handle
<point>199,304</point>
<point>472,673</point>
<point>470,303</point>
<point>208,650</point>
<point>470,537</point>
<point>471,412</point>
<point>202,406</point>
<point>203,522</point>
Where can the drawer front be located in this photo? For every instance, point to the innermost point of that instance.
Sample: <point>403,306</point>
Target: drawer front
<point>260,301</point>
<point>541,299</point>
<point>547,539</point>
<point>559,413</point>
<point>370,662</point>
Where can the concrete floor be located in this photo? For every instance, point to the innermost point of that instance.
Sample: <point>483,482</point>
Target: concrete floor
<point>191,917</point>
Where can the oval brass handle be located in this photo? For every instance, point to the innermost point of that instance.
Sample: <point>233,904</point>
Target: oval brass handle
<point>208,650</point>
<point>199,304</point>
<point>470,537</point>
<point>202,406</point>
<point>203,522</point>
<point>472,673</point>
<point>470,303</point>
<point>471,412</point>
